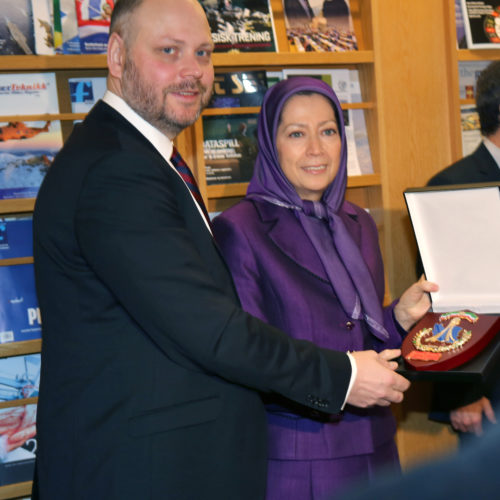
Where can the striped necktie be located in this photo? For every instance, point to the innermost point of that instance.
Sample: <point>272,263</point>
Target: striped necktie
<point>185,172</point>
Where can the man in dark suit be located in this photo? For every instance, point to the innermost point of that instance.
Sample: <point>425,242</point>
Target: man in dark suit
<point>151,371</point>
<point>467,406</point>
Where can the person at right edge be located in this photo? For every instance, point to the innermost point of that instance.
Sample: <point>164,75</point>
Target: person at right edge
<point>468,407</point>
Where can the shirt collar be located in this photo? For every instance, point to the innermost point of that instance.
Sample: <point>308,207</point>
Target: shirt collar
<point>159,140</point>
<point>493,149</point>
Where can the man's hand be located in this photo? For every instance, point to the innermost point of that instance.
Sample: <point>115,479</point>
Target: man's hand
<point>469,418</point>
<point>414,302</point>
<point>376,381</point>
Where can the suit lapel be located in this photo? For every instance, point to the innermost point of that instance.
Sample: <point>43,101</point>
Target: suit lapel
<point>287,234</point>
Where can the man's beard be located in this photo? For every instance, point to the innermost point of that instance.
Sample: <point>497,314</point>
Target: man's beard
<point>140,96</point>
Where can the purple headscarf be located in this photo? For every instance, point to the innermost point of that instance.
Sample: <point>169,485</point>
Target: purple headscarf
<point>347,272</point>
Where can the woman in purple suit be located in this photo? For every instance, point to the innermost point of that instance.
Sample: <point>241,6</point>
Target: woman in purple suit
<point>306,260</point>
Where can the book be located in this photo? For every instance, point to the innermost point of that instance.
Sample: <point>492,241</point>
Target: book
<point>16,236</point>
<point>482,23</point>
<point>319,26</point>
<point>16,28</point>
<point>42,27</point>
<point>236,90</point>
<point>85,92</point>
<point>17,444</point>
<point>93,19</point>
<point>19,377</point>
<point>19,312</point>
<point>241,25</point>
<point>27,148</point>
<point>230,147</point>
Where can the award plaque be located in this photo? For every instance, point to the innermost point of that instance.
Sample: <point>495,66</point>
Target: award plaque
<point>457,229</point>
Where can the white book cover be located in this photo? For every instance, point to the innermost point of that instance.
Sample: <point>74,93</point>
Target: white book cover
<point>43,27</point>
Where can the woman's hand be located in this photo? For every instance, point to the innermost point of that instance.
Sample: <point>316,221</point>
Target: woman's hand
<point>414,302</point>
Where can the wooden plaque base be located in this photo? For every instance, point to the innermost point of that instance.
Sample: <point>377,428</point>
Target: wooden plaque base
<point>443,341</point>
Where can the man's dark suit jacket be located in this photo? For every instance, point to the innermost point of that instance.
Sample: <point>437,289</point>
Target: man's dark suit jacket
<point>474,168</point>
<point>150,369</point>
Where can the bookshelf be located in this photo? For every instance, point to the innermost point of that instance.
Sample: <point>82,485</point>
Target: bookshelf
<point>409,82</point>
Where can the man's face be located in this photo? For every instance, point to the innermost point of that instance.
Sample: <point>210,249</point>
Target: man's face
<point>168,73</point>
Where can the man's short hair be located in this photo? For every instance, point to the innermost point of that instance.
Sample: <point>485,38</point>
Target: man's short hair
<point>488,98</point>
<point>121,14</point>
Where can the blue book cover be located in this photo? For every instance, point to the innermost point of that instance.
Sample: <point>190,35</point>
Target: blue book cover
<point>16,236</point>
<point>19,312</point>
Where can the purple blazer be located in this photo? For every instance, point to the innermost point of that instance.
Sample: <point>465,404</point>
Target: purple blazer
<point>280,279</point>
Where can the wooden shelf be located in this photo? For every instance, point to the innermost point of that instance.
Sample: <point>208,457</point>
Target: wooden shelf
<point>221,60</point>
<point>38,63</point>
<point>17,205</point>
<point>478,54</point>
<point>16,261</point>
<point>18,348</point>
<point>19,402</point>
<point>45,117</point>
<point>240,188</point>
<point>17,490</point>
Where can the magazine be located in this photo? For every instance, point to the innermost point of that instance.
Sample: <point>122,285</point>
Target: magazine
<point>482,23</point>
<point>241,25</point>
<point>468,72</point>
<point>42,27</point>
<point>236,90</point>
<point>19,312</point>
<point>16,236</point>
<point>93,18</point>
<point>319,25</point>
<point>230,147</point>
<point>471,129</point>
<point>16,28</point>
<point>19,377</point>
<point>27,148</point>
<point>18,444</point>
<point>85,92</point>
<point>66,39</point>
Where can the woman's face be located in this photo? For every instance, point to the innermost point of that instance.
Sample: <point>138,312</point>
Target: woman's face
<point>308,143</point>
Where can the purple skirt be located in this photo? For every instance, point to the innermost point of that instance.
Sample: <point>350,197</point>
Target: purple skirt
<point>322,479</point>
